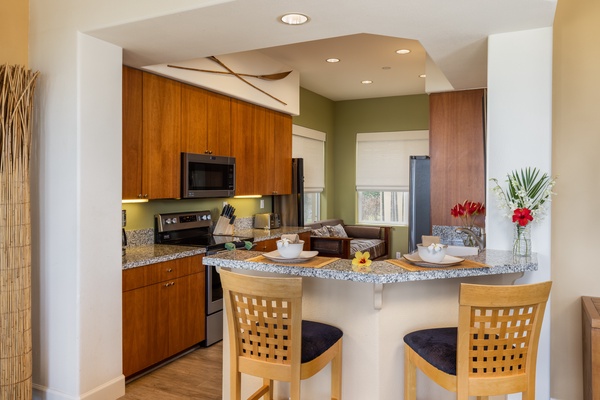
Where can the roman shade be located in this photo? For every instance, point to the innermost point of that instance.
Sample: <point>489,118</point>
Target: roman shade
<point>309,144</point>
<point>382,159</point>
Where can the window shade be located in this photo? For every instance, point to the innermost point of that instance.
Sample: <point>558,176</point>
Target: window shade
<point>382,159</point>
<point>310,145</point>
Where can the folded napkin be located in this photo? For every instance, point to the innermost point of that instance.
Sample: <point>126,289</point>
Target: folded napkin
<point>427,240</point>
<point>292,237</point>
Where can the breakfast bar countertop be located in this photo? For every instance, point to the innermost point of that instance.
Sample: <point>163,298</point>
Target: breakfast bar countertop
<point>497,262</point>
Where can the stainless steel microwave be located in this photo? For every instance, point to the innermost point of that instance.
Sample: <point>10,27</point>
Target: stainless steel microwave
<point>205,175</point>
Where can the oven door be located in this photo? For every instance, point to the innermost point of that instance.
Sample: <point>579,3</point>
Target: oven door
<point>214,291</point>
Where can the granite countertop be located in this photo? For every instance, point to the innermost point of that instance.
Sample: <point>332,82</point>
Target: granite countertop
<point>500,262</point>
<point>139,256</point>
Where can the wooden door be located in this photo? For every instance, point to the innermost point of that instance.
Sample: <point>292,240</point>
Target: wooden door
<point>282,156</point>
<point>264,151</point>
<point>132,134</point>
<point>242,147</point>
<point>194,132</point>
<point>161,137</point>
<point>219,124</point>
<point>457,151</point>
<point>186,312</point>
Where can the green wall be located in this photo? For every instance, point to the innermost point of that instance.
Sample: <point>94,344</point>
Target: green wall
<point>342,120</point>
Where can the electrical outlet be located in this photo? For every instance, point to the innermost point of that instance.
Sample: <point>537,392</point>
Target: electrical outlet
<point>398,254</point>
<point>262,203</point>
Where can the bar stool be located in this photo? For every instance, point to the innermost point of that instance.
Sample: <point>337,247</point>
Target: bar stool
<point>269,339</point>
<point>492,352</point>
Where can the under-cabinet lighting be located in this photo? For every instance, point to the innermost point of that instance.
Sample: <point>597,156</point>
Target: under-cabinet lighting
<point>130,201</point>
<point>249,196</point>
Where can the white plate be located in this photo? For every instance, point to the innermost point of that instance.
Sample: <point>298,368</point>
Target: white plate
<point>446,262</point>
<point>304,256</point>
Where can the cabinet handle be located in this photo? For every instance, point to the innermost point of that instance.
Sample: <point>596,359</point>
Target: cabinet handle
<point>169,284</point>
<point>169,269</point>
<point>146,195</point>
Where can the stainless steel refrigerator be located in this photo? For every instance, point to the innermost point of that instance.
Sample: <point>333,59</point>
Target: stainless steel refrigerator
<point>419,203</point>
<point>291,207</point>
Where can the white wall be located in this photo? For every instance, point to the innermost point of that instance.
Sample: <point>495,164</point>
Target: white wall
<point>520,135</point>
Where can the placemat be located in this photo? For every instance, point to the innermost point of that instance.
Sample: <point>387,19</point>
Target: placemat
<point>316,262</point>
<point>411,267</point>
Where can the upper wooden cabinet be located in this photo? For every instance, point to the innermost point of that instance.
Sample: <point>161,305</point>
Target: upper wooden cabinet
<point>163,117</point>
<point>151,136</point>
<point>205,122</point>
<point>132,133</point>
<point>161,162</point>
<point>457,151</point>
<point>261,142</point>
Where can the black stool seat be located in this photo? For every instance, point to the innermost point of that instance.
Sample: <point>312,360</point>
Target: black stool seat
<point>317,338</point>
<point>436,346</point>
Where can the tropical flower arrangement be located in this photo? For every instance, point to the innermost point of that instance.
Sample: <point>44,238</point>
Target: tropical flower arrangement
<point>468,211</point>
<point>525,200</point>
<point>361,262</point>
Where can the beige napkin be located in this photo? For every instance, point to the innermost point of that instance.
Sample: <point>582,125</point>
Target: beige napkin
<point>292,237</point>
<point>427,240</point>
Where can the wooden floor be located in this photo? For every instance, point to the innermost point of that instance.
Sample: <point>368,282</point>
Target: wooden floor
<point>196,375</point>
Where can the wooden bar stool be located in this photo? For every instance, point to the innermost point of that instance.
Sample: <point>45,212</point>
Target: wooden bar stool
<point>492,352</point>
<point>269,339</point>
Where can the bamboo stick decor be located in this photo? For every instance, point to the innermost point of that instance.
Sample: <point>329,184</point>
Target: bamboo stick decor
<point>16,106</point>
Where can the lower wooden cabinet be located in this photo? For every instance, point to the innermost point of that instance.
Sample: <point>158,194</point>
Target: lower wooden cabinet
<point>163,311</point>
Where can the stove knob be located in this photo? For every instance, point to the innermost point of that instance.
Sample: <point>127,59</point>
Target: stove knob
<point>167,221</point>
<point>208,217</point>
<point>204,218</point>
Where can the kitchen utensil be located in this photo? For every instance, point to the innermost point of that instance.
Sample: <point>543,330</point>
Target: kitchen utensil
<point>267,77</point>
<point>215,59</point>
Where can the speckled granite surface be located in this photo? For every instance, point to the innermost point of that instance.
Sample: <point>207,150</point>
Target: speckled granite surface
<point>143,252</point>
<point>501,262</point>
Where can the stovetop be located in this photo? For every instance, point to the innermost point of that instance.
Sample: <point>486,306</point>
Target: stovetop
<point>192,228</point>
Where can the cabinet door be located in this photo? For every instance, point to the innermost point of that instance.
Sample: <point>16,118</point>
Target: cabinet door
<point>457,151</point>
<point>218,124</point>
<point>186,312</point>
<point>282,156</point>
<point>264,151</point>
<point>132,133</point>
<point>161,137</point>
<point>144,328</point>
<point>267,245</point>
<point>306,237</point>
<point>194,133</point>
<point>243,117</point>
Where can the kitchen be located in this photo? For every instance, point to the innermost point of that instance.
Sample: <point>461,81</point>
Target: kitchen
<point>100,54</point>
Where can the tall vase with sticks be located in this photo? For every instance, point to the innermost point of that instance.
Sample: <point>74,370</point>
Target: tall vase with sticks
<point>16,104</point>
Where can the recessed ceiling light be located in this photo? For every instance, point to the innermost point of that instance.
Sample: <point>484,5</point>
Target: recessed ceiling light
<point>366,82</point>
<point>294,19</point>
<point>403,51</point>
<point>422,76</point>
<point>333,60</point>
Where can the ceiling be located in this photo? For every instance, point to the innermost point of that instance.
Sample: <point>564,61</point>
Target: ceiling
<point>447,39</point>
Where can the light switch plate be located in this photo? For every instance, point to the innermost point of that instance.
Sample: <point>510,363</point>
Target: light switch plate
<point>262,203</point>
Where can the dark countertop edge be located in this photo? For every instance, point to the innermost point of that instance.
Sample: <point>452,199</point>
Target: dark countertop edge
<point>140,256</point>
<point>382,272</point>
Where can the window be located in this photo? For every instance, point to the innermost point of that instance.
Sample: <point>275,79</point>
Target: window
<point>382,174</point>
<point>309,144</point>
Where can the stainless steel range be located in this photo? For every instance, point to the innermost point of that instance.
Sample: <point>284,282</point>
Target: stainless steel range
<point>194,228</point>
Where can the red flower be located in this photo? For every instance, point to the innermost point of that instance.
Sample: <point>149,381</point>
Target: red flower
<point>522,216</point>
<point>467,211</point>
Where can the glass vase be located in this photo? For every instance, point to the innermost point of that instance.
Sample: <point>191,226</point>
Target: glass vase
<point>522,241</point>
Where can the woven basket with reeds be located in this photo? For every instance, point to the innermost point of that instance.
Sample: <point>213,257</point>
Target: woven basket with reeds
<point>16,105</point>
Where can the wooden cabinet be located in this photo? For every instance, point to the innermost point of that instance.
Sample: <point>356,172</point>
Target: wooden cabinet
<point>163,117</point>
<point>132,133</point>
<point>457,151</point>
<point>591,347</point>
<point>163,311</point>
<point>205,122</point>
<point>262,145</point>
<point>151,136</point>
<point>161,162</point>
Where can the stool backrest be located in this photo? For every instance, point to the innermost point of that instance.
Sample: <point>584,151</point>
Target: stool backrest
<point>498,335</point>
<point>264,317</point>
